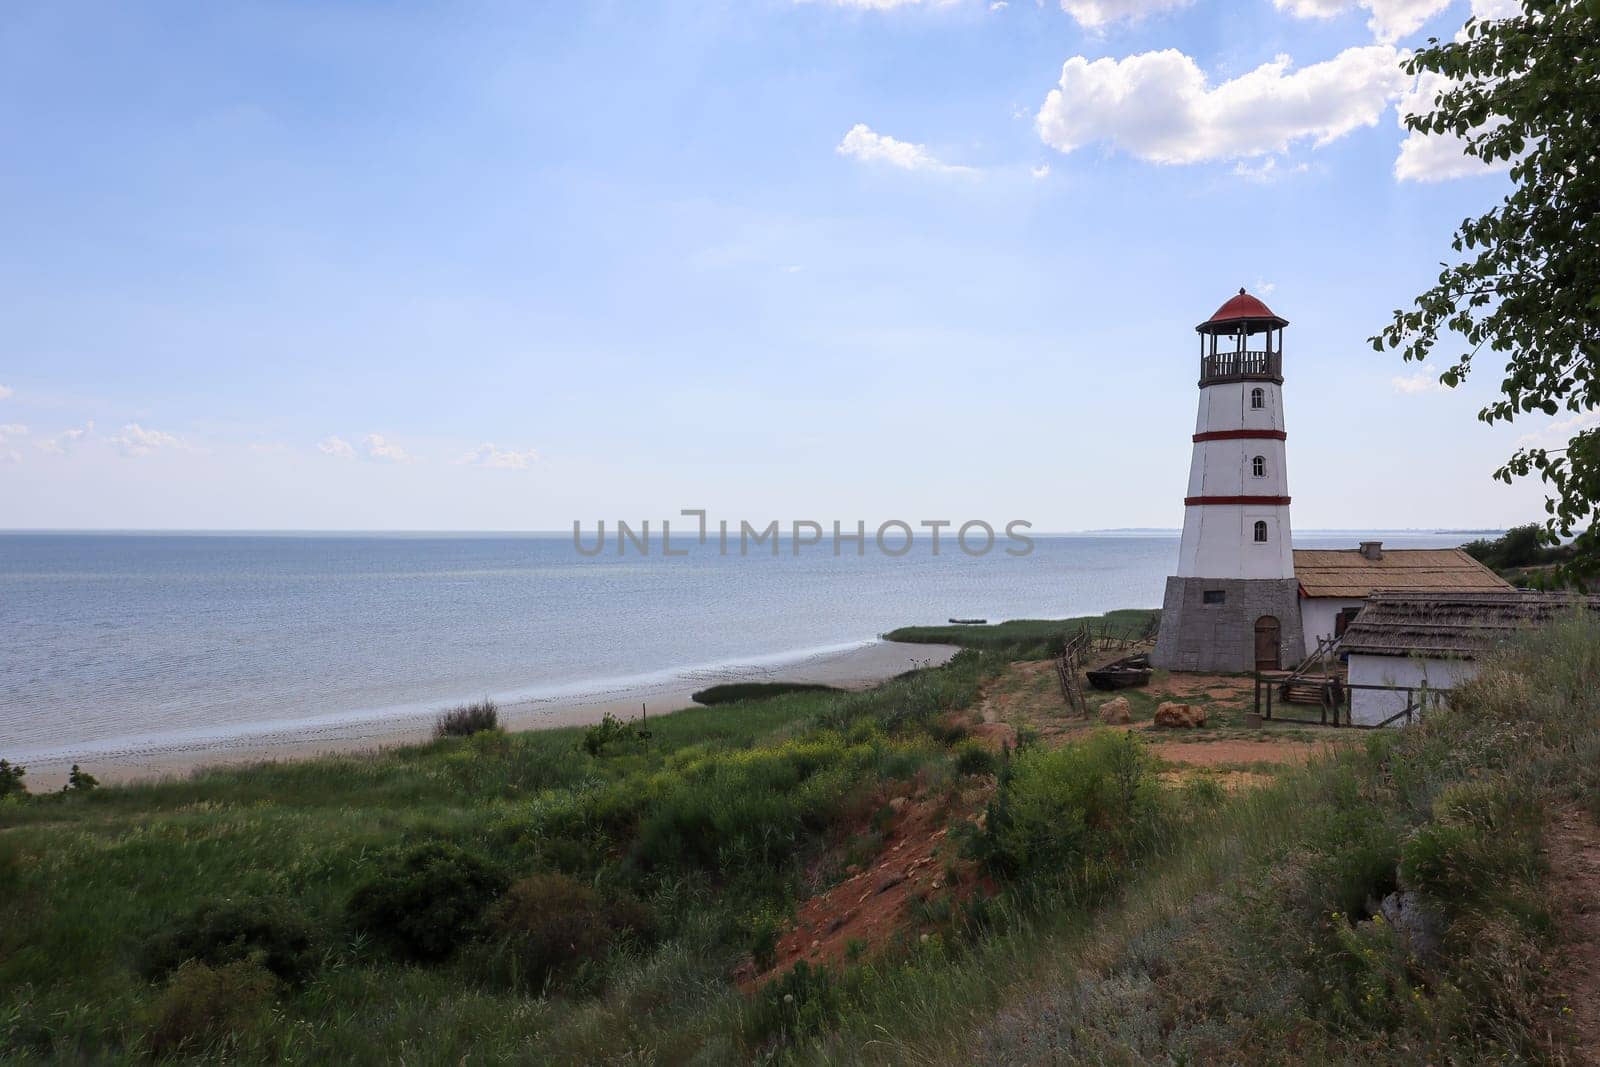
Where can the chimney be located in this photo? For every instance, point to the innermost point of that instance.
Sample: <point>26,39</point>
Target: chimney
<point>1372,550</point>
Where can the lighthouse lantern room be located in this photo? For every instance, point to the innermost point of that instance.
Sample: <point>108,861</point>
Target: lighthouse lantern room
<point>1233,604</point>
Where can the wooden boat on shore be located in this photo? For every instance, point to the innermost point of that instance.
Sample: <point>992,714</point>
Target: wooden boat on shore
<point>1131,672</point>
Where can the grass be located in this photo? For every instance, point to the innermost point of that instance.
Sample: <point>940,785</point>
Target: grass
<point>734,692</point>
<point>1026,638</point>
<point>1134,922</point>
<point>468,719</point>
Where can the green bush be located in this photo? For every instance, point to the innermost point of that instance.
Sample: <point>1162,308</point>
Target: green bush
<point>805,1001</point>
<point>468,719</point>
<point>765,933</point>
<point>220,932</point>
<point>550,925</point>
<point>426,901</point>
<point>973,758</point>
<point>749,809</point>
<point>11,783</point>
<point>1481,840</point>
<point>202,1006</point>
<point>737,691</point>
<point>1520,546</point>
<point>80,781</point>
<point>612,732</point>
<point>1087,805</point>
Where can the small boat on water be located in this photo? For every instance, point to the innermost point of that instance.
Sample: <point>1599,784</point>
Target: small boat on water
<point>970,622</point>
<point>1131,672</point>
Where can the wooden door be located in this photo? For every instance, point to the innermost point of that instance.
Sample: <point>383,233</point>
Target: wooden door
<point>1267,643</point>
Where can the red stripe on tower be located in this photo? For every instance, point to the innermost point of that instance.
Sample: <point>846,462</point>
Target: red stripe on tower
<point>1268,501</point>
<point>1241,435</point>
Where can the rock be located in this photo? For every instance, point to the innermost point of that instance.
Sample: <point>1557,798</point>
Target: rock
<point>1116,711</point>
<point>890,882</point>
<point>1174,716</point>
<point>898,804</point>
<point>1420,928</point>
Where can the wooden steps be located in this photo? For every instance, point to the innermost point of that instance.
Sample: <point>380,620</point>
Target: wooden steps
<point>1304,689</point>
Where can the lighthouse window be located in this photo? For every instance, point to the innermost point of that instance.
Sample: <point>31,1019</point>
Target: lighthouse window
<point>1261,533</point>
<point>1258,466</point>
<point>1258,398</point>
<point>1214,596</point>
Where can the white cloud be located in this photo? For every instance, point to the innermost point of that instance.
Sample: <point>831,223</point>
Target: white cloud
<point>135,440</point>
<point>1436,157</point>
<point>9,431</point>
<point>1557,434</point>
<point>66,440</point>
<point>999,5</point>
<point>487,455</point>
<point>1418,382</point>
<point>336,446</point>
<point>1096,14</point>
<point>379,447</point>
<point>1041,172</point>
<point>1266,171</point>
<point>863,143</point>
<point>1390,19</point>
<point>1264,287</point>
<point>6,392</point>
<point>376,447</point>
<point>1496,9</point>
<point>1158,106</point>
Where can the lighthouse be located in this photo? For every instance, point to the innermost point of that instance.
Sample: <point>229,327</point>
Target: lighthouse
<point>1233,604</point>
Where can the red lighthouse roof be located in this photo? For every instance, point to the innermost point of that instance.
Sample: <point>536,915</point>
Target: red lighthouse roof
<point>1244,310</point>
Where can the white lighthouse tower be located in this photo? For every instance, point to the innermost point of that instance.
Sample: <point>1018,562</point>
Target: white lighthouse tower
<point>1234,603</point>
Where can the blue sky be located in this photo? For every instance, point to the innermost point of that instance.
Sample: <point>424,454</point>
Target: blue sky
<point>501,266</point>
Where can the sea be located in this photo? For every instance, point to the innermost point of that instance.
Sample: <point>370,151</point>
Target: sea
<point>111,642</point>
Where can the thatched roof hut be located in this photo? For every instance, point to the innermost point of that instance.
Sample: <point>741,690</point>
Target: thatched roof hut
<point>1455,625</point>
<point>1352,573</point>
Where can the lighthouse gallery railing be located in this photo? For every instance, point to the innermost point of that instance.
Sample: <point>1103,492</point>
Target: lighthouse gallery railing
<point>1244,364</point>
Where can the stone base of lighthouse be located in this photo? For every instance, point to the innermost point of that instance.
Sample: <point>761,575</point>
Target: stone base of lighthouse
<point>1217,632</point>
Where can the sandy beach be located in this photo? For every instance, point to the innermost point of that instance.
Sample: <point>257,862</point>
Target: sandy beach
<point>859,667</point>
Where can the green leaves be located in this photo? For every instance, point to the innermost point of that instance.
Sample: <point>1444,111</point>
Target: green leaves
<point>1528,283</point>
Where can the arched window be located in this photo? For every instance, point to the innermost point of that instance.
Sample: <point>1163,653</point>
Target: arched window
<point>1258,398</point>
<point>1258,466</point>
<point>1261,532</point>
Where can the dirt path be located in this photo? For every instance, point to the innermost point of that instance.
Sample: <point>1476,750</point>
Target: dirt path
<point>865,914</point>
<point>1573,845</point>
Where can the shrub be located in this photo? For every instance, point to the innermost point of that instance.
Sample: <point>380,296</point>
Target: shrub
<point>765,933</point>
<point>202,1005</point>
<point>1074,807</point>
<point>973,758</point>
<point>804,1001</point>
<point>427,900</point>
<point>80,781</point>
<point>737,691</point>
<point>610,731</point>
<point>552,924</point>
<point>468,719</point>
<point>220,932</point>
<point>11,783</point>
<point>1480,842</point>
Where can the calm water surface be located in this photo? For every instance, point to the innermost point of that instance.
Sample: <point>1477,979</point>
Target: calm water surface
<point>115,640</point>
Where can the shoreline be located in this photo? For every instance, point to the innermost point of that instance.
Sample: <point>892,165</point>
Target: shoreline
<point>858,667</point>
